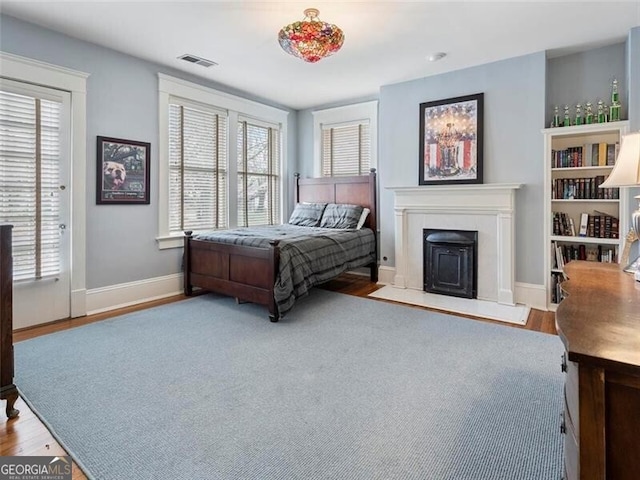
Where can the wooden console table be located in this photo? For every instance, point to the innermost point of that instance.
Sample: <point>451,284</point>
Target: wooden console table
<point>8,390</point>
<point>599,324</point>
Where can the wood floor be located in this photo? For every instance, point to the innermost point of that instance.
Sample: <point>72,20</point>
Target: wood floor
<point>26,435</point>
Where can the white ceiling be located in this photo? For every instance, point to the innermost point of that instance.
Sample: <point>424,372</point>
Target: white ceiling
<point>385,42</point>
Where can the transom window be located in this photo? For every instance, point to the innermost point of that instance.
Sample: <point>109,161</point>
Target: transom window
<point>346,140</point>
<point>346,149</point>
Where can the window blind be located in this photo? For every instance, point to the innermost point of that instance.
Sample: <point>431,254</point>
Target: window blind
<point>345,149</point>
<point>197,169</point>
<point>258,174</point>
<point>30,149</point>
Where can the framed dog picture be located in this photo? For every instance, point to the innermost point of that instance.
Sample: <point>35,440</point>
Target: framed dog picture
<point>123,171</point>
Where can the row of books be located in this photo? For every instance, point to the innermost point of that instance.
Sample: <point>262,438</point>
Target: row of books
<point>563,254</point>
<point>583,189</point>
<point>590,155</point>
<point>556,290</point>
<point>597,225</point>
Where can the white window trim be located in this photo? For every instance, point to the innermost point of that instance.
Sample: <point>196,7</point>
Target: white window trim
<point>169,87</point>
<point>23,69</point>
<point>348,114</point>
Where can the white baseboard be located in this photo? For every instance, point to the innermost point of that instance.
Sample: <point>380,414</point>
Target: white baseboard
<point>126,294</point>
<point>385,275</point>
<point>78,303</point>
<point>532,295</point>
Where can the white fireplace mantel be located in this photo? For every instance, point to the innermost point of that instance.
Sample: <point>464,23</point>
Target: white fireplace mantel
<point>488,209</point>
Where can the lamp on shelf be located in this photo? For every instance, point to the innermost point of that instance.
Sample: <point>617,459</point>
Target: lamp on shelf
<point>626,173</point>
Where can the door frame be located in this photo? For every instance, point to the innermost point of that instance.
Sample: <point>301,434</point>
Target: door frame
<point>14,67</point>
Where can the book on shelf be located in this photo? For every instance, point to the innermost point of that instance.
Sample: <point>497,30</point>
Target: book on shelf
<point>584,188</point>
<point>611,153</point>
<point>609,224</point>
<point>559,258</point>
<point>602,154</point>
<point>556,289</point>
<point>588,155</point>
<point>584,221</point>
<point>561,224</point>
<point>568,158</point>
<point>598,225</point>
<point>565,253</point>
<point>595,149</point>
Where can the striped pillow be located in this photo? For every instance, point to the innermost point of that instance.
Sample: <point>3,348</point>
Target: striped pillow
<point>341,216</point>
<point>307,214</point>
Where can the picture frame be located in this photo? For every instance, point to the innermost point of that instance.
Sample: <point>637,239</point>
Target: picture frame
<point>123,171</point>
<point>451,140</point>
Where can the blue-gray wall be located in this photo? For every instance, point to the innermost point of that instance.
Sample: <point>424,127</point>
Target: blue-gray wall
<point>519,98</point>
<point>514,97</point>
<point>633,77</point>
<point>586,76</point>
<point>122,102</point>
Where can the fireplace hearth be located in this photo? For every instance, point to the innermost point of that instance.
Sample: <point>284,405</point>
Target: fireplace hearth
<point>451,262</point>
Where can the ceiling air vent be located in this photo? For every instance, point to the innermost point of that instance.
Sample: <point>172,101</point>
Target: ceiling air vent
<point>197,60</point>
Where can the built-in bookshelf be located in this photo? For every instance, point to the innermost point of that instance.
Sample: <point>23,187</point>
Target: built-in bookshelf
<point>582,221</point>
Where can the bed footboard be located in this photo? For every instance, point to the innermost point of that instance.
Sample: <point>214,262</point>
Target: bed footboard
<point>247,273</point>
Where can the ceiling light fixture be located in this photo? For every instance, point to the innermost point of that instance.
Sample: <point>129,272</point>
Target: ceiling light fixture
<point>311,39</point>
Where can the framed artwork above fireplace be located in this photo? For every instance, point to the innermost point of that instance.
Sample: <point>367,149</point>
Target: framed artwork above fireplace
<point>451,140</point>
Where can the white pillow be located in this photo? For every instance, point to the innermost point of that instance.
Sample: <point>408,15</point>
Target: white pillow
<point>363,217</point>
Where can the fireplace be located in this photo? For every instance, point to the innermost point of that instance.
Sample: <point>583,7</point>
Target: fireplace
<point>451,262</point>
<point>488,209</point>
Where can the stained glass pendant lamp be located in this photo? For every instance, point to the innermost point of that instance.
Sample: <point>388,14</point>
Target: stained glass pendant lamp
<point>311,39</point>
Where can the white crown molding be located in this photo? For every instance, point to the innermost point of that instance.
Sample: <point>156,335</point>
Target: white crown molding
<point>42,73</point>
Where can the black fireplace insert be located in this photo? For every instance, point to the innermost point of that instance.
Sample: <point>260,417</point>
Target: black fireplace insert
<point>451,262</point>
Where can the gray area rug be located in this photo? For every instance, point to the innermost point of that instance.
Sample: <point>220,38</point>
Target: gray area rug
<point>341,388</point>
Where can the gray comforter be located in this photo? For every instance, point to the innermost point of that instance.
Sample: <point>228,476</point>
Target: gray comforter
<point>308,255</point>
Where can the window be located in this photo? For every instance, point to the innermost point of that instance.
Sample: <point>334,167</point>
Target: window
<point>197,169</point>
<point>221,161</point>
<point>258,179</point>
<point>346,149</point>
<point>30,151</point>
<point>345,140</point>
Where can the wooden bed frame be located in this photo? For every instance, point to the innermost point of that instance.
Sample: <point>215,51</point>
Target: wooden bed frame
<point>249,273</point>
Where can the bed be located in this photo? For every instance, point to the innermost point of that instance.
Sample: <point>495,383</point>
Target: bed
<point>254,266</point>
